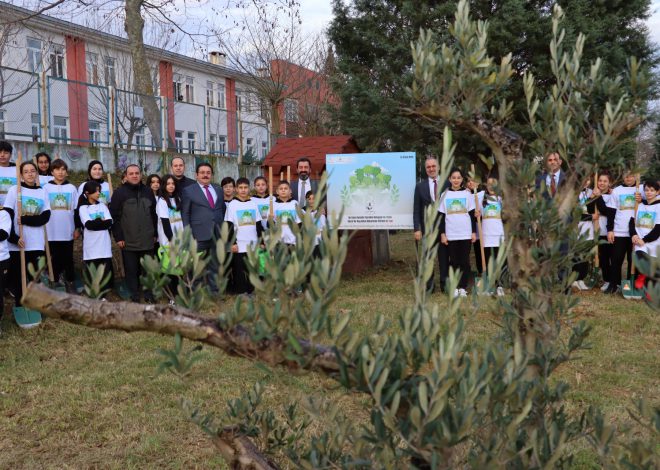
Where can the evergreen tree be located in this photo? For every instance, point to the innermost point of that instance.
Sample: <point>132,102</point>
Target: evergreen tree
<point>372,42</point>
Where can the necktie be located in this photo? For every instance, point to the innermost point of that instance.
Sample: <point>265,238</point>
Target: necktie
<point>553,185</point>
<point>209,197</point>
<point>303,192</point>
<point>435,189</point>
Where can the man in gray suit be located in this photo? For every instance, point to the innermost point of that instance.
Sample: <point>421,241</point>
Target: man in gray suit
<point>303,184</point>
<point>202,207</point>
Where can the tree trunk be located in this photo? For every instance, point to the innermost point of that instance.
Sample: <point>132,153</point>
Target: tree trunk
<point>168,320</point>
<point>274,123</point>
<point>134,26</point>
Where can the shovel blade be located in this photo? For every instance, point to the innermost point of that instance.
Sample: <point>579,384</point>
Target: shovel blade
<point>26,318</point>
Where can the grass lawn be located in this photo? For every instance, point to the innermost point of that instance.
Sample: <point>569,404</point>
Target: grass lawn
<point>74,397</point>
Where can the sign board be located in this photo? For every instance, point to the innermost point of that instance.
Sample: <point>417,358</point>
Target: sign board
<point>375,189</point>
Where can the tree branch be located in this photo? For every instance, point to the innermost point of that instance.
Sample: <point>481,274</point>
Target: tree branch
<point>168,320</point>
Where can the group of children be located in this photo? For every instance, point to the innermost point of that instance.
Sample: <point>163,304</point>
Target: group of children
<point>55,213</point>
<point>624,217</point>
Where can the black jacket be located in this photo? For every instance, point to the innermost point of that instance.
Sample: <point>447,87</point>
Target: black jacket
<point>133,210</point>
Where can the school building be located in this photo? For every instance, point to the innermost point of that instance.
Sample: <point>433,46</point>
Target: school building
<point>63,83</point>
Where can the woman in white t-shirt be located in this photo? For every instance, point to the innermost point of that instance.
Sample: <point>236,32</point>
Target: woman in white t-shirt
<point>458,226</point>
<point>35,214</point>
<point>605,218</point>
<point>96,221</point>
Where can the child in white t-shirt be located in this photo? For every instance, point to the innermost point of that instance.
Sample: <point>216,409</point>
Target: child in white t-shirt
<point>61,229</point>
<point>458,226</point>
<point>168,210</point>
<point>644,229</point>
<point>5,231</point>
<point>492,227</point>
<point>319,219</point>
<point>243,215</point>
<point>262,198</point>
<point>35,214</point>
<point>96,220</point>
<point>286,211</point>
<point>605,223</point>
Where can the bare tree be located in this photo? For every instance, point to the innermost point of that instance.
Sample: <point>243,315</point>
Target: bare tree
<point>269,48</point>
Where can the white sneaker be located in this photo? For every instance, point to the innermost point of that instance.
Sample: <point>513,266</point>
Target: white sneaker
<point>605,286</point>
<point>575,285</point>
<point>456,293</point>
<point>582,285</point>
<point>500,291</point>
<point>462,292</point>
<point>171,303</point>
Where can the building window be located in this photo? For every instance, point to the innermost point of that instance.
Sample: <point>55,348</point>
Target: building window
<point>178,141</point>
<point>94,132</point>
<point>209,94</point>
<point>221,96</point>
<point>56,61</point>
<point>36,126</point>
<point>140,139</point>
<point>92,66</point>
<point>240,101</point>
<point>213,143</point>
<point>264,149</point>
<point>2,124</point>
<point>190,90</point>
<point>222,144</point>
<point>249,146</point>
<point>109,71</point>
<point>35,55</point>
<point>291,110</point>
<point>60,128</point>
<point>192,137</point>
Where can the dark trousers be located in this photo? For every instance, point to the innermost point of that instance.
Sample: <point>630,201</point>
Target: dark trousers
<point>132,272</point>
<point>582,270</point>
<point>208,247</point>
<point>621,249</point>
<point>476,246</point>
<point>443,265</point>
<point>107,263</point>
<point>4,272</point>
<point>493,251</point>
<point>605,250</point>
<point>15,275</point>
<point>61,254</point>
<point>459,258</point>
<point>239,273</point>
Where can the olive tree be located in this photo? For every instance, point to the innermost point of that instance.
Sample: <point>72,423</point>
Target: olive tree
<point>429,399</point>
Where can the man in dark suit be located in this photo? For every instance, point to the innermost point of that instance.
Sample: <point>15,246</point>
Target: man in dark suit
<point>426,193</point>
<point>178,169</point>
<point>202,207</point>
<point>553,177</point>
<point>303,184</point>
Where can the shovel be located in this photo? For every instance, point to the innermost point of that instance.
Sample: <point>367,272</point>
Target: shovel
<point>628,285</point>
<point>24,317</point>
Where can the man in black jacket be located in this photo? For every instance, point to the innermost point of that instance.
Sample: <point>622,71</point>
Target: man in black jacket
<point>133,210</point>
<point>426,192</point>
<point>178,168</point>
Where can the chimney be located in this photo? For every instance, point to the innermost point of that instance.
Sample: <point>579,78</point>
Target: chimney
<point>218,58</point>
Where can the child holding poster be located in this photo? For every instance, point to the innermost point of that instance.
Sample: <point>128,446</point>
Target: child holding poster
<point>286,211</point>
<point>623,203</point>
<point>319,219</point>
<point>458,226</point>
<point>262,198</point>
<point>35,213</point>
<point>63,200</point>
<point>96,220</point>
<point>243,216</point>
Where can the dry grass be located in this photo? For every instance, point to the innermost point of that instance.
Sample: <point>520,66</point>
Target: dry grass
<point>73,397</point>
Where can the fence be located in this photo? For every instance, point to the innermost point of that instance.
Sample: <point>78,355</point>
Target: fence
<point>20,104</point>
<point>52,109</point>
